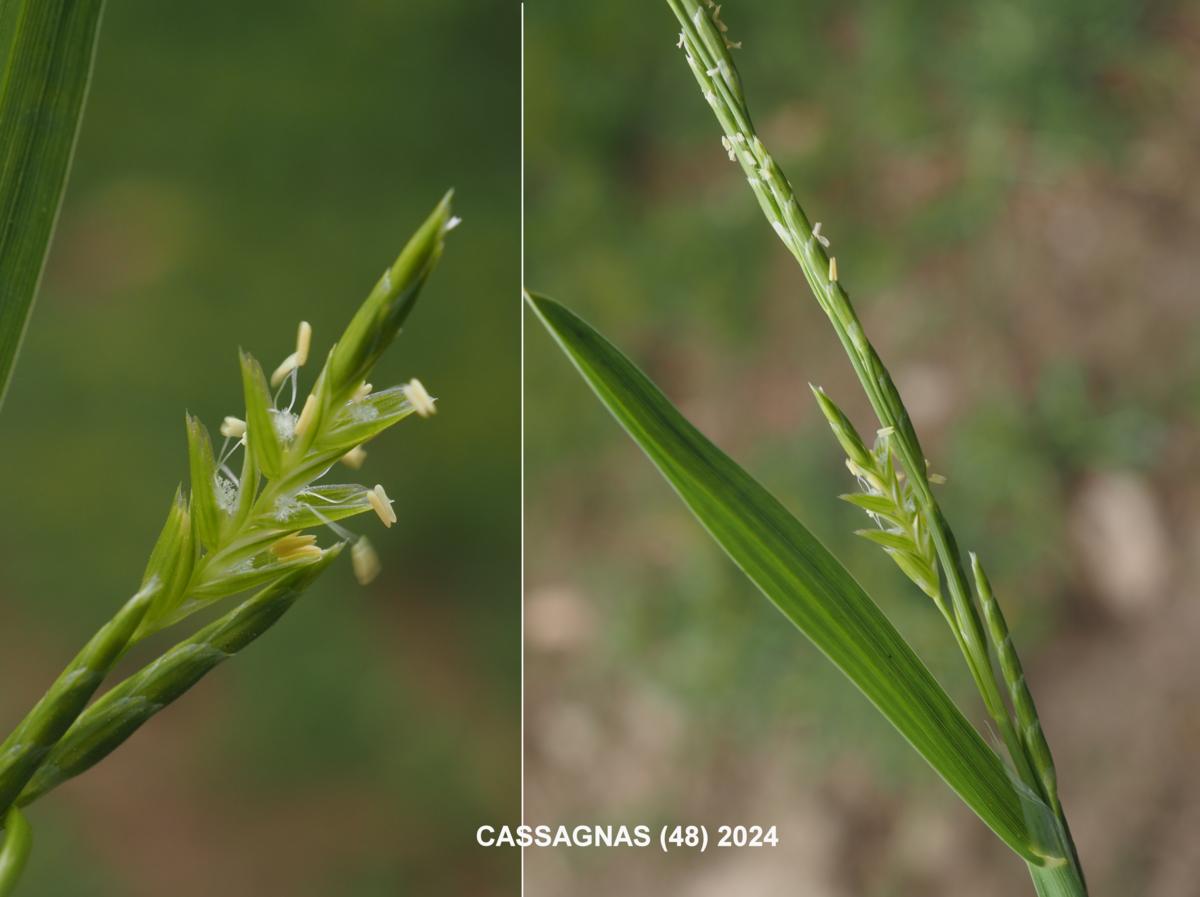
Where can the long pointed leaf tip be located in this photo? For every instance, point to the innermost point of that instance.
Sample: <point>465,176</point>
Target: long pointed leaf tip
<point>381,316</point>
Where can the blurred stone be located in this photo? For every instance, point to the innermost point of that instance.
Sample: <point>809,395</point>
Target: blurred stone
<point>653,721</point>
<point>1122,540</point>
<point>570,735</point>
<point>928,392</point>
<point>805,862</point>
<point>558,618</point>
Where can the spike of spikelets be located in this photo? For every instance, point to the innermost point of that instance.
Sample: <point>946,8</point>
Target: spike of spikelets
<point>232,533</point>
<point>888,499</point>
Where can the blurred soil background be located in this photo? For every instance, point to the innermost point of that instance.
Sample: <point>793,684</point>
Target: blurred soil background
<point>243,166</point>
<point>1011,191</point>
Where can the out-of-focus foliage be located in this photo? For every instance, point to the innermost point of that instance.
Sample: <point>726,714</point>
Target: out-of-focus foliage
<point>242,167</point>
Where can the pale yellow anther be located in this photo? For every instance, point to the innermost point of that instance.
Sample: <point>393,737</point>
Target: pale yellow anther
<point>361,393</point>
<point>233,427</point>
<point>296,546</point>
<point>355,458</point>
<point>306,414</point>
<point>303,342</point>
<point>833,270</point>
<point>381,505</point>
<point>419,398</point>
<point>364,560</point>
<point>288,365</point>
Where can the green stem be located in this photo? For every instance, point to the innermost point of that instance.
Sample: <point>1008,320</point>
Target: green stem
<point>14,850</point>
<point>709,63</point>
<point>23,752</point>
<point>973,637</point>
<point>1063,880</point>
<point>124,708</point>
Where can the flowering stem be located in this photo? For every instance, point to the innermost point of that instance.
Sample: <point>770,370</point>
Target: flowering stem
<point>124,708</point>
<point>231,534</point>
<point>24,750</point>
<point>703,39</point>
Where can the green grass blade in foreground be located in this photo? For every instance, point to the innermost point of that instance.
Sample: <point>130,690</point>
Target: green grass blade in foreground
<point>809,585</point>
<point>46,52</point>
<point>14,850</point>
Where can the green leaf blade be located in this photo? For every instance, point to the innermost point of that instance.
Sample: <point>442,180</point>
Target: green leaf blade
<point>46,53</point>
<point>807,583</point>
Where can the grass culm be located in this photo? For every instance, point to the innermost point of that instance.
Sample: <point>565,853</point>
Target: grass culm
<point>896,485</point>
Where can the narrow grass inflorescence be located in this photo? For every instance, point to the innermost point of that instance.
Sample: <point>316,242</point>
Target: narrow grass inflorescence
<point>232,532</point>
<point>897,483</point>
<point>237,531</point>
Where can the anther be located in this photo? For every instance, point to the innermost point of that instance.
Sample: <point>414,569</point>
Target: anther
<point>307,413</point>
<point>233,427</point>
<point>296,546</point>
<point>421,401</point>
<point>303,342</point>
<point>381,505</point>
<point>364,560</point>
<point>288,365</point>
<point>355,458</point>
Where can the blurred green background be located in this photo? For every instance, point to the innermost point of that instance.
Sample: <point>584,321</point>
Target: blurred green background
<point>1010,190</point>
<point>243,166</point>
